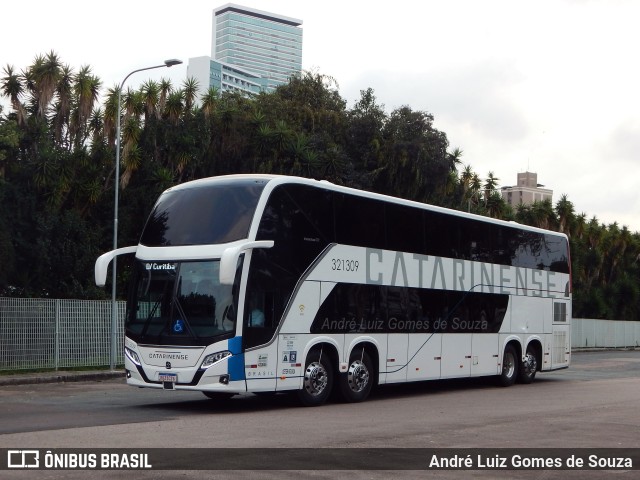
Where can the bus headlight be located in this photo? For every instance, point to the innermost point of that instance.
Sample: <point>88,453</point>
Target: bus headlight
<point>214,358</point>
<point>133,356</point>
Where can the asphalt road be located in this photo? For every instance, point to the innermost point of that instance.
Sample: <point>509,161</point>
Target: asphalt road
<point>594,404</point>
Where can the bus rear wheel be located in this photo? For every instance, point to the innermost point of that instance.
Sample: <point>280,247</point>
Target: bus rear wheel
<point>356,384</point>
<point>318,379</point>
<point>528,367</point>
<point>509,367</point>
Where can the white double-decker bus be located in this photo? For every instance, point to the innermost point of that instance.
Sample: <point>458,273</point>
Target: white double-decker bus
<point>256,283</point>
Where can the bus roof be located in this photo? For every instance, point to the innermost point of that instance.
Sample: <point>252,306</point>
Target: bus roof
<point>273,181</point>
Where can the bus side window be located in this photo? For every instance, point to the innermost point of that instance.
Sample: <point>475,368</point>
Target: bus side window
<point>259,317</point>
<point>255,316</point>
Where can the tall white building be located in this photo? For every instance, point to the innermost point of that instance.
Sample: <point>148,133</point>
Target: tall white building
<point>251,51</point>
<point>527,191</point>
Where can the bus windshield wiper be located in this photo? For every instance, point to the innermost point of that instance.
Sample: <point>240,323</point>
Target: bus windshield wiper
<point>147,322</point>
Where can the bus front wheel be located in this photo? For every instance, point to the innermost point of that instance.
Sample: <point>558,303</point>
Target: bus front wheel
<point>509,367</point>
<point>318,379</point>
<point>356,384</point>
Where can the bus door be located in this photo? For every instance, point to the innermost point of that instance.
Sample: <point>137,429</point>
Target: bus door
<point>261,349</point>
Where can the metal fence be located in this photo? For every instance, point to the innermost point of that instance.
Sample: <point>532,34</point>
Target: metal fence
<point>53,334</point>
<point>592,333</point>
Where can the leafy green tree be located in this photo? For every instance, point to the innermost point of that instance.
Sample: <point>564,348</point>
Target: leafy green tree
<point>366,121</point>
<point>57,166</point>
<point>9,141</point>
<point>414,163</point>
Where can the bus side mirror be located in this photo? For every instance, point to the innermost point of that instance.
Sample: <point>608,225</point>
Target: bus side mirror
<point>229,260</point>
<point>103,261</point>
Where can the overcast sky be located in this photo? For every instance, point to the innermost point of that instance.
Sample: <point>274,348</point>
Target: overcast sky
<point>551,87</point>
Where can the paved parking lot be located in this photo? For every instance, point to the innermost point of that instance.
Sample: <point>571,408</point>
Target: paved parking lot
<point>593,404</point>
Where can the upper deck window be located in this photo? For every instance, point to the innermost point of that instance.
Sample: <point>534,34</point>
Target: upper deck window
<point>219,212</point>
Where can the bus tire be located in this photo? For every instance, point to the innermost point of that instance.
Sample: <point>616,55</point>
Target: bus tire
<point>509,367</point>
<point>318,379</point>
<point>356,383</point>
<point>528,367</point>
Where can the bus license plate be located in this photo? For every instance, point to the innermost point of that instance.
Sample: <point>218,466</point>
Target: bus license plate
<point>168,377</point>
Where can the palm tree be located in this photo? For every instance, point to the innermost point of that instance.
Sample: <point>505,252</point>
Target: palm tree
<point>131,153</point>
<point>615,245</point>
<point>133,103</point>
<point>304,157</point>
<point>86,91</point>
<point>228,114</point>
<point>165,89</point>
<point>12,86</point>
<point>496,206</point>
<point>174,106</point>
<point>465,178</point>
<point>465,183</point>
<point>282,135</point>
<point>490,185</point>
<point>333,164</point>
<point>594,232</point>
<point>566,215</point>
<point>454,158</point>
<point>580,224</point>
<point>543,214</point>
<point>593,258</point>
<point>43,77</point>
<point>310,161</point>
<point>209,102</point>
<point>262,141</point>
<point>64,92</point>
<point>110,115</point>
<point>151,98</point>
<point>96,127</point>
<point>190,91</point>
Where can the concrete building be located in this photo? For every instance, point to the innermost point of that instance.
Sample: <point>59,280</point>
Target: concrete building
<point>527,191</point>
<point>251,51</point>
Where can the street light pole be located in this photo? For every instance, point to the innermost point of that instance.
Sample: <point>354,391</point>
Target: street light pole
<point>114,313</point>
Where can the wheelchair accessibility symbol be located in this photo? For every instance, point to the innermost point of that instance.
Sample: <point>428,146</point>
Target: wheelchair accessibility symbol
<point>178,326</point>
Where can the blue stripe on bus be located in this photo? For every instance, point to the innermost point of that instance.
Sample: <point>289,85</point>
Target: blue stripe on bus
<point>236,361</point>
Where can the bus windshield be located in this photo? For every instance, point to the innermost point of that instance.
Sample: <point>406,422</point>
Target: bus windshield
<point>180,303</point>
<point>213,213</point>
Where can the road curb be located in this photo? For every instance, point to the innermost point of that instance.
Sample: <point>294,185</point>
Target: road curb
<point>57,377</point>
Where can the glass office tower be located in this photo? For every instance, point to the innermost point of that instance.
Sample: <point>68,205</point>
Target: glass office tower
<point>256,41</point>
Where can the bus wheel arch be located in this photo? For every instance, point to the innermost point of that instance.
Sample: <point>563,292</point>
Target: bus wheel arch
<point>531,362</point>
<point>362,372</point>
<point>319,375</point>
<point>510,364</point>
